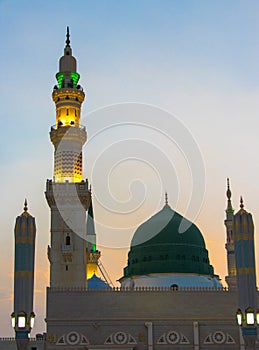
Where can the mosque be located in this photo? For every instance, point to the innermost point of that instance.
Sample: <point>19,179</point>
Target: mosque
<point>170,296</point>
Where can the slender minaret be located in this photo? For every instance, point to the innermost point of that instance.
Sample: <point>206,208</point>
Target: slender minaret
<point>93,255</point>
<point>67,195</point>
<point>229,222</point>
<point>246,274</point>
<point>23,315</point>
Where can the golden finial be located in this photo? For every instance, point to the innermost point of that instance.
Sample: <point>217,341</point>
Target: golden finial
<point>241,202</point>
<point>25,205</point>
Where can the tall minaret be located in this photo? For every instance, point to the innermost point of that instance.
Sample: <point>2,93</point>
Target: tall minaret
<point>67,195</point>
<point>23,315</point>
<point>246,274</point>
<point>93,255</point>
<point>229,222</point>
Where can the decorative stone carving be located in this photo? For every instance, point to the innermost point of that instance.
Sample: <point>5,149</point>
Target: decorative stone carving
<point>72,338</point>
<point>219,337</point>
<point>120,338</point>
<point>173,337</point>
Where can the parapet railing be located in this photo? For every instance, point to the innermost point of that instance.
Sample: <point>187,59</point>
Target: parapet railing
<point>137,289</point>
<point>68,126</point>
<point>12,339</point>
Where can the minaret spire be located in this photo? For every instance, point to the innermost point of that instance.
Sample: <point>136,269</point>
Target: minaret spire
<point>23,315</point>
<point>241,202</point>
<point>228,193</point>
<point>68,97</point>
<point>25,205</point>
<point>246,272</point>
<point>229,223</point>
<point>93,255</point>
<point>68,36</point>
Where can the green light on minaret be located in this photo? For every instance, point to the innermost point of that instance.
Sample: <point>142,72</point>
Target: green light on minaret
<point>74,77</point>
<point>60,79</point>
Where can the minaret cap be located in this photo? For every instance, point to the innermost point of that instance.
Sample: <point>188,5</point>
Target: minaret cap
<point>242,210</point>
<point>25,209</point>
<point>67,62</point>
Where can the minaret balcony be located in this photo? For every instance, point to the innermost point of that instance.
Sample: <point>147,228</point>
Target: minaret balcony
<point>60,94</point>
<point>71,133</point>
<point>80,127</point>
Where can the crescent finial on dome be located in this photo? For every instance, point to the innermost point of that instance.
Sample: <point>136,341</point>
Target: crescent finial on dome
<point>166,199</point>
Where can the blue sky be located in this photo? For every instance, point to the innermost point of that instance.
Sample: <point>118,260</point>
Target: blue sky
<point>198,60</point>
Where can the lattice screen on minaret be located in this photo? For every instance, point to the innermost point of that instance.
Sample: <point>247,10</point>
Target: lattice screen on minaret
<point>68,165</point>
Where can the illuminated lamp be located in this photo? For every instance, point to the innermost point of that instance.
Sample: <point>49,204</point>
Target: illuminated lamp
<point>74,77</point>
<point>250,317</point>
<point>239,316</point>
<point>32,319</point>
<point>21,319</point>
<point>60,78</point>
<point>257,316</point>
<point>13,319</point>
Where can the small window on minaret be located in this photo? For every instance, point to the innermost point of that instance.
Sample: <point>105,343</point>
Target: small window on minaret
<point>66,267</point>
<point>67,111</point>
<point>67,239</point>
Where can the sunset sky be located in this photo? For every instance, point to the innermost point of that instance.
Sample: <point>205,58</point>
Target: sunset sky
<point>171,105</point>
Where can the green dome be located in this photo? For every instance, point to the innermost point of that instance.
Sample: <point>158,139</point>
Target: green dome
<point>168,243</point>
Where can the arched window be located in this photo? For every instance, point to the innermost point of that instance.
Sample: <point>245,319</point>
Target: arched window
<point>68,239</point>
<point>174,287</point>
